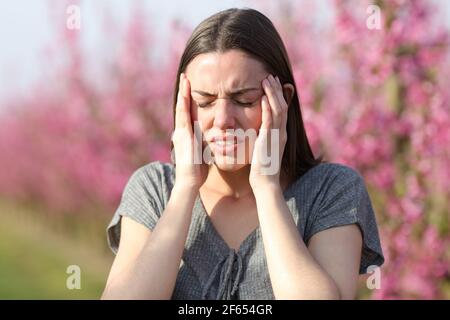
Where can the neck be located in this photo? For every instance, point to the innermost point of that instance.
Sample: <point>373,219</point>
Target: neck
<point>233,184</point>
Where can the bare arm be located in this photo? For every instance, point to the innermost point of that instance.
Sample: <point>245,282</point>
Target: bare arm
<point>338,251</point>
<point>147,263</point>
<point>327,271</point>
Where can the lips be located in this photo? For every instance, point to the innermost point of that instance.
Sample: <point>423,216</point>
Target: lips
<point>225,139</point>
<point>223,149</point>
<point>224,144</point>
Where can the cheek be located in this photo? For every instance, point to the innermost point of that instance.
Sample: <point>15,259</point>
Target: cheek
<point>199,115</point>
<point>202,116</point>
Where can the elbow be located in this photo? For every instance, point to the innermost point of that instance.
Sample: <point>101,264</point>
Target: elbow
<point>115,291</point>
<point>110,293</point>
<point>111,290</point>
<point>105,296</point>
<point>328,291</point>
<point>333,293</point>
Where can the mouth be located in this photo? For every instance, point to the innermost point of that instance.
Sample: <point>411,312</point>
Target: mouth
<point>224,147</point>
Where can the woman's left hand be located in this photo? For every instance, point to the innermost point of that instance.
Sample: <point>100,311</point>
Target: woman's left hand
<point>271,141</point>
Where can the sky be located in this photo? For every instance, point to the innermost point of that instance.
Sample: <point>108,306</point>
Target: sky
<point>26,28</point>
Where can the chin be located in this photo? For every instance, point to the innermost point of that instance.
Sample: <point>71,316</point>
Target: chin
<point>228,164</point>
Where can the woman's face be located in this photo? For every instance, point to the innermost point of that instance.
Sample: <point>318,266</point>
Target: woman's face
<point>226,91</point>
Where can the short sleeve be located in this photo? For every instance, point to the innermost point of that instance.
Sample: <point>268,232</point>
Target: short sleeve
<point>141,200</point>
<point>343,199</point>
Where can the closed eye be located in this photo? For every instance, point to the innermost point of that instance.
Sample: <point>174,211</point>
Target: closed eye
<point>245,104</point>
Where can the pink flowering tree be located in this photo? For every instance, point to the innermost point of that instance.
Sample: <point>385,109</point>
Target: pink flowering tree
<point>378,100</point>
<point>374,99</point>
<point>71,146</point>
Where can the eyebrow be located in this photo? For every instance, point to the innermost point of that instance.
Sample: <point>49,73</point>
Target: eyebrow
<point>230,94</point>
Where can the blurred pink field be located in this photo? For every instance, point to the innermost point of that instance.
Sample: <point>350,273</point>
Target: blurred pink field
<point>376,100</point>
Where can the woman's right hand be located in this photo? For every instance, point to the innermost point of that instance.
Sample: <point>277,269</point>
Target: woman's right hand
<point>189,170</point>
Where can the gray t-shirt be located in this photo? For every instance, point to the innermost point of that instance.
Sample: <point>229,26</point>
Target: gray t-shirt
<point>326,196</point>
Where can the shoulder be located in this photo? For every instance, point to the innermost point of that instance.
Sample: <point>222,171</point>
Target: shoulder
<point>156,170</point>
<point>336,195</point>
<point>153,177</point>
<point>327,176</point>
<point>328,184</point>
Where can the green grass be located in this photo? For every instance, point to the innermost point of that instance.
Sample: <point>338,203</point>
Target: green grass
<point>34,258</point>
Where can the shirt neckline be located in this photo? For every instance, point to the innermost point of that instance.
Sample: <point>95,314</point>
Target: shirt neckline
<point>220,243</point>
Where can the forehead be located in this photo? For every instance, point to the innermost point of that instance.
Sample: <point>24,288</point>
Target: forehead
<point>230,69</point>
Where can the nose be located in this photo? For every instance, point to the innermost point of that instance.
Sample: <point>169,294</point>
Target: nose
<point>224,117</point>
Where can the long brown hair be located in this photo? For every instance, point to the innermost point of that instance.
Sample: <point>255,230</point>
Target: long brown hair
<point>252,32</point>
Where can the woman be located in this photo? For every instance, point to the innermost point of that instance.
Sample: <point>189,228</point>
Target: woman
<point>293,227</point>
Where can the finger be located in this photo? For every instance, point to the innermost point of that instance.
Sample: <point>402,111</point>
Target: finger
<point>283,104</point>
<point>279,93</point>
<point>266,113</point>
<point>187,101</point>
<point>283,126</point>
<point>178,107</point>
<point>273,102</point>
<point>182,113</point>
<point>264,130</point>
